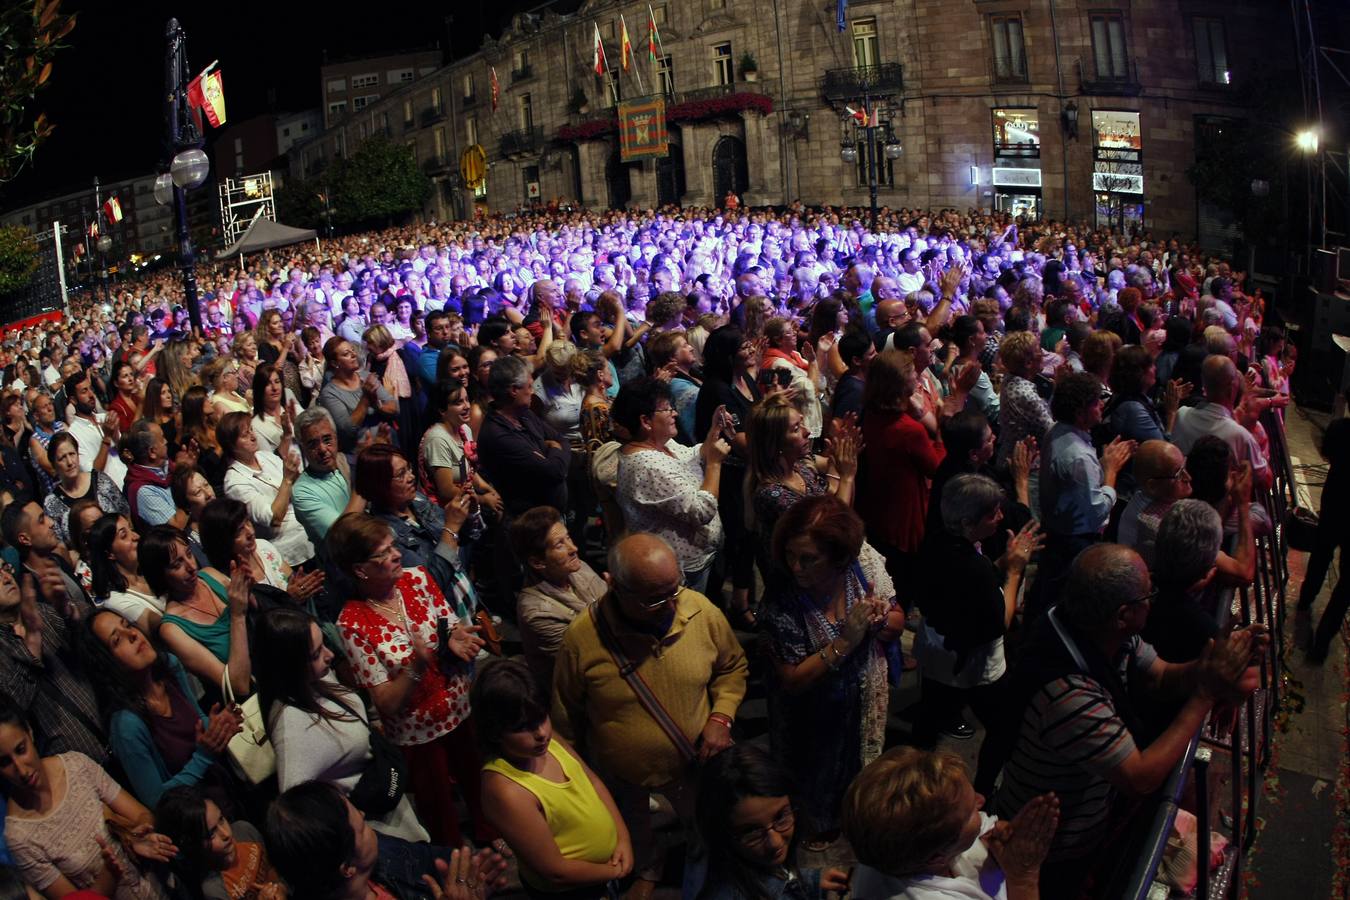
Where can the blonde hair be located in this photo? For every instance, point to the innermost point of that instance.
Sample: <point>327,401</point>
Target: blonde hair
<point>260,330</point>
<point>1018,351</point>
<point>901,811</point>
<point>377,338</point>
<point>558,357</point>
<point>212,371</point>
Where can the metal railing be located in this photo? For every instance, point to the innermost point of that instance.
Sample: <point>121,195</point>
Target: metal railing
<point>516,143</point>
<point>1123,84</point>
<point>877,81</point>
<point>1246,747</point>
<point>433,114</point>
<point>522,73</point>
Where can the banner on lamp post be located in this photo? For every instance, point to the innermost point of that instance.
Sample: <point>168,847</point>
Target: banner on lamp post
<point>642,130</point>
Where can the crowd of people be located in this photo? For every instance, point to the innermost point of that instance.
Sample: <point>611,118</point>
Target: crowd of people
<point>258,577</point>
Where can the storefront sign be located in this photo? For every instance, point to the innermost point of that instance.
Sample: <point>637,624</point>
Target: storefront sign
<point>1117,183</point>
<point>1007,177</point>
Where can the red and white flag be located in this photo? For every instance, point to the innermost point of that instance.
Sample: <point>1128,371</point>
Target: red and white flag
<point>112,209</point>
<point>496,88</point>
<point>93,229</point>
<point>859,114</point>
<point>600,61</point>
<point>206,93</point>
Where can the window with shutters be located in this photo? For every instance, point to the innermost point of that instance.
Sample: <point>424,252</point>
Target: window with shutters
<point>526,112</point>
<point>1211,51</point>
<point>471,130</point>
<point>1108,48</point>
<point>1010,55</point>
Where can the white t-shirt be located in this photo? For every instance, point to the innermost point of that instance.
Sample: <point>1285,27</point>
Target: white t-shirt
<point>977,877</point>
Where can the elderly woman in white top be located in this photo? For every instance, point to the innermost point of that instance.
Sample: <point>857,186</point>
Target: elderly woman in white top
<point>262,482</point>
<point>667,488</point>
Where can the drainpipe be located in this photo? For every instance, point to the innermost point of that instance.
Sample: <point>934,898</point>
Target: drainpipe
<point>783,143</point>
<point>1059,79</point>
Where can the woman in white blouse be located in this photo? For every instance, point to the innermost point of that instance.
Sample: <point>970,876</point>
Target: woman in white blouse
<point>665,487</point>
<point>262,482</point>
<point>319,729</point>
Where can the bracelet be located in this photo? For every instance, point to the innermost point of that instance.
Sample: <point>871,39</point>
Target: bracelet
<point>415,675</point>
<point>720,717</point>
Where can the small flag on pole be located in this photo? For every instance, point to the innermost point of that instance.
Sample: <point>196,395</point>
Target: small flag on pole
<point>625,47</point>
<point>206,93</point>
<point>653,36</point>
<point>113,210</point>
<point>600,61</point>
<point>496,88</point>
<point>859,114</point>
<point>93,229</point>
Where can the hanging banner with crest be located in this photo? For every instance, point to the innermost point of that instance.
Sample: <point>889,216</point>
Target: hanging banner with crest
<point>642,130</point>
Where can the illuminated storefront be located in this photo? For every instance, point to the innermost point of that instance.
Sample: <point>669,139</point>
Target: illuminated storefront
<point>1016,175</point>
<point>1118,169</point>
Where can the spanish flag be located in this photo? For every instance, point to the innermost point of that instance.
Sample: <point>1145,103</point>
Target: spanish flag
<point>206,93</point>
<point>113,210</point>
<point>625,47</point>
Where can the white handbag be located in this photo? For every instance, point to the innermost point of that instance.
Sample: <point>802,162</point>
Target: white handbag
<point>250,751</point>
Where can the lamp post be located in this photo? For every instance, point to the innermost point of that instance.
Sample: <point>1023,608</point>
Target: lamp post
<point>873,135</point>
<point>103,243</point>
<point>189,166</point>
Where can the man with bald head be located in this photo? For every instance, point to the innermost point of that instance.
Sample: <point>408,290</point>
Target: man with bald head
<point>1214,415</point>
<point>649,635</point>
<point>1160,470</point>
<point>1080,691</point>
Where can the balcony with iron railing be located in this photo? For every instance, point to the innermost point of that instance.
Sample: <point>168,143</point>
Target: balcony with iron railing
<point>435,164</point>
<point>468,101</point>
<point>524,72</point>
<point>432,115</point>
<point>1120,79</point>
<point>519,143</point>
<point>880,80</point>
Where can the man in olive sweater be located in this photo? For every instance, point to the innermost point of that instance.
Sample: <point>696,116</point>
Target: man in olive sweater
<point>684,651</point>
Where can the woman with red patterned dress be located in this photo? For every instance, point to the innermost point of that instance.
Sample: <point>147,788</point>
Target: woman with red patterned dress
<point>413,650</point>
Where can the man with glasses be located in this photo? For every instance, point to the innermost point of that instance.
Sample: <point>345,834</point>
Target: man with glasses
<point>682,653</point>
<point>1160,469</point>
<point>1083,686</point>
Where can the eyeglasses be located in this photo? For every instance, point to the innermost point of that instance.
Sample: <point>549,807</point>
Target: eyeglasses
<point>782,823</point>
<point>660,409</point>
<point>651,605</point>
<point>1147,598</point>
<point>384,555</point>
<point>1183,474</point>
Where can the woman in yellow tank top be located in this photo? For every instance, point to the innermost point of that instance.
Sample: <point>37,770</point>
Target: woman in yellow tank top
<point>554,812</point>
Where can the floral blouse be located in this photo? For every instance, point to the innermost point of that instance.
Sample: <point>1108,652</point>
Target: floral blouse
<point>663,493</point>
<point>380,649</point>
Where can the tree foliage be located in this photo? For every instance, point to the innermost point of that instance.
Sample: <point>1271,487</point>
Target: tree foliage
<point>18,258</point>
<point>30,37</point>
<point>299,203</point>
<point>381,180</point>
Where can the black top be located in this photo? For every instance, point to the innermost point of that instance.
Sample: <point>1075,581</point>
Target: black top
<point>848,396</point>
<point>525,471</point>
<point>715,393</point>
<point>1178,627</point>
<point>961,594</point>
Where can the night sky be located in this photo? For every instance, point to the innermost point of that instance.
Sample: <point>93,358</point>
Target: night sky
<point>106,90</point>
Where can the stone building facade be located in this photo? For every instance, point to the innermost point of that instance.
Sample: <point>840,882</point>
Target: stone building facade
<point>1054,108</point>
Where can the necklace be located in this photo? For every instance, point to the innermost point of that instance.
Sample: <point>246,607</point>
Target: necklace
<point>209,613</point>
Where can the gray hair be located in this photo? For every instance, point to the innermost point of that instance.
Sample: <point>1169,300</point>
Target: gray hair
<point>1138,277</point>
<point>141,439</point>
<point>506,374</point>
<point>311,417</point>
<point>968,498</point>
<point>1102,579</point>
<point>1188,543</point>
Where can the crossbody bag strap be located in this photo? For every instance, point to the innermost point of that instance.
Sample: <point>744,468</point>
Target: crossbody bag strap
<point>649,701</point>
